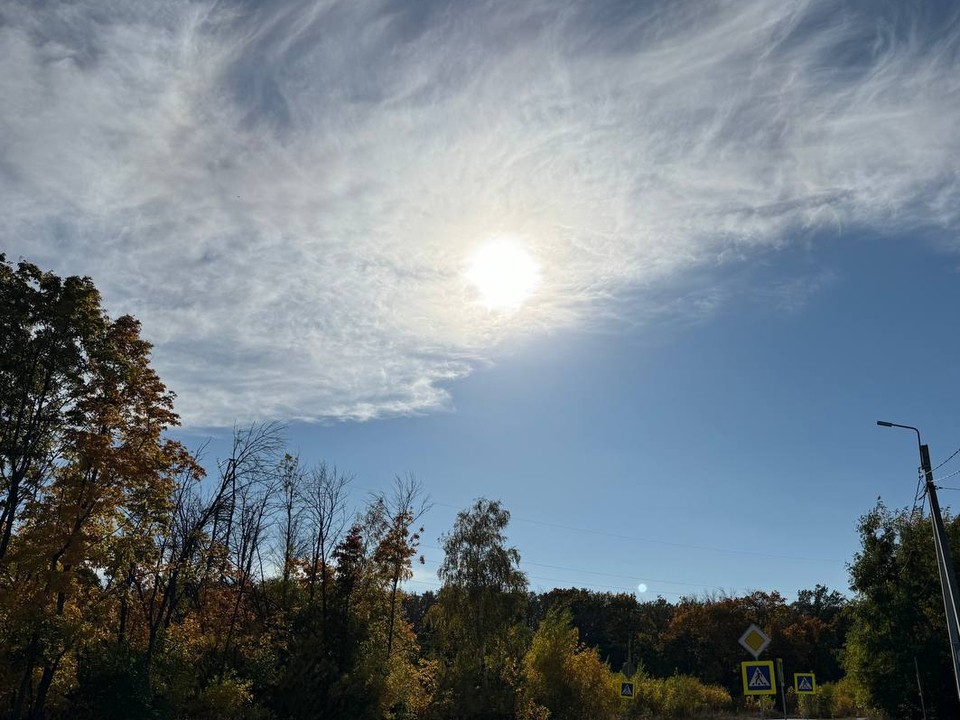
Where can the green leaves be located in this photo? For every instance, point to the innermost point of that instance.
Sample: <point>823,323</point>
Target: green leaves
<point>899,629</point>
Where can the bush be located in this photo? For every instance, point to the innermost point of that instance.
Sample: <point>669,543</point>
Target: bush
<point>680,696</point>
<point>227,699</point>
<point>112,683</point>
<point>832,700</point>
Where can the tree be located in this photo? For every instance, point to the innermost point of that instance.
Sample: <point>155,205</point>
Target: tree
<point>398,544</point>
<point>898,617</point>
<point>606,621</point>
<point>85,473</point>
<point>324,494</point>
<point>479,612</point>
<point>701,639</point>
<point>563,676</point>
<point>814,639</point>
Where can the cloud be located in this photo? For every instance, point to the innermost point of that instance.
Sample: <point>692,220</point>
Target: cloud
<point>286,194</point>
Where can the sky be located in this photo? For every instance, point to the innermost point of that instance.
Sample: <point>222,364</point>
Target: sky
<point>731,233</point>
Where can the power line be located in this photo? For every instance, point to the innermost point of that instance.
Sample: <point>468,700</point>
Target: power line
<point>945,477</point>
<point>634,578</point>
<point>710,548</point>
<point>618,536</point>
<point>952,456</point>
<point>589,586</point>
<point>920,495</point>
<point>633,538</point>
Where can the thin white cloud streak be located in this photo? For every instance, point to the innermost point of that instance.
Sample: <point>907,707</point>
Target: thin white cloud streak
<point>286,195</point>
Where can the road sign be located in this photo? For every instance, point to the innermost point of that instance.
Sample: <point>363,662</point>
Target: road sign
<point>804,683</point>
<point>758,677</point>
<point>629,669</point>
<point>626,690</point>
<point>754,641</point>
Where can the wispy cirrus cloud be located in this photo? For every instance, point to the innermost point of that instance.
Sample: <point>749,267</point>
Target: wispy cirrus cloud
<point>285,194</point>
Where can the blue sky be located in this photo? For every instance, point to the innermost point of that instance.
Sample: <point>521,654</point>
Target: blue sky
<point>743,217</point>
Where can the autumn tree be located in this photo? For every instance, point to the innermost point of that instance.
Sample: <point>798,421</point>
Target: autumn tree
<point>399,542</point>
<point>564,675</point>
<point>606,621</point>
<point>814,639</point>
<point>701,639</point>
<point>85,472</point>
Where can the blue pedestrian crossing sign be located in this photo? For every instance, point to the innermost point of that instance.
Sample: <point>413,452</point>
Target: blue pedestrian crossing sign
<point>626,690</point>
<point>804,683</point>
<point>758,677</point>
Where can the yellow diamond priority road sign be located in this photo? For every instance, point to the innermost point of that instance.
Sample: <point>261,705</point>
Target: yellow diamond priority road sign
<point>754,641</point>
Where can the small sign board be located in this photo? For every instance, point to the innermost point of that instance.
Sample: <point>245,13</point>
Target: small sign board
<point>758,677</point>
<point>754,641</point>
<point>805,683</point>
<point>629,669</point>
<point>627,690</point>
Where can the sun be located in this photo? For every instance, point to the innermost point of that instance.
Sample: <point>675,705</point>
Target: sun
<point>504,273</point>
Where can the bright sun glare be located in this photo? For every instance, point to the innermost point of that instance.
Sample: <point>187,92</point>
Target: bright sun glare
<point>504,273</point>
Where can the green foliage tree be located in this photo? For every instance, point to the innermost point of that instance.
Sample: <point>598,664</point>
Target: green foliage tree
<point>898,616</point>
<point>478,617</point>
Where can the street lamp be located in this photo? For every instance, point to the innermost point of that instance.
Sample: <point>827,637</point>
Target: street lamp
<point>948,577</point>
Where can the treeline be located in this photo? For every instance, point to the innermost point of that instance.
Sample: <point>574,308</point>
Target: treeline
<point>135,583</point>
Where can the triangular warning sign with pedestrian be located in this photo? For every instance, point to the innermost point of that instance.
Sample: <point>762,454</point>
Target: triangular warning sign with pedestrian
<point>759,681</point>
<point>804,684</point>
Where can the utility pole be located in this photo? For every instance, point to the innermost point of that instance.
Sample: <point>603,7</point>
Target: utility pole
<point>948,575</point>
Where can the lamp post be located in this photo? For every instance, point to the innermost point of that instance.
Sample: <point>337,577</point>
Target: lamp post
<point>948,577</point>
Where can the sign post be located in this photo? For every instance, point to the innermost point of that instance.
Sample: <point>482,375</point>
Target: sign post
<point>783,687</point>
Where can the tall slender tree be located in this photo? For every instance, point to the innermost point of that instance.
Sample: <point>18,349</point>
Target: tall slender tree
<point>480,611</point>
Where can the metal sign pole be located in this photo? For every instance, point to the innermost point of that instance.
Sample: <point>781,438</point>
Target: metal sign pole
<point>783,691</point>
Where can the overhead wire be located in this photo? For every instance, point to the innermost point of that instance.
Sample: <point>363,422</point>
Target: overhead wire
<point>559,583</point>
<point>619,536</point>
<point>952,456</point>
<point>919,496</point>
<point>633,578</point>
<point>624,588</point>
<point>946,477</point>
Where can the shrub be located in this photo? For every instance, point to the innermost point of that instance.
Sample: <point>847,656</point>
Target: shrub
<point>832,700</point>
<point>679,696</point>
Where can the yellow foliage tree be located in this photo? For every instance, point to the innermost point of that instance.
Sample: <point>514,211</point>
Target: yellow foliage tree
<point>564,677</point>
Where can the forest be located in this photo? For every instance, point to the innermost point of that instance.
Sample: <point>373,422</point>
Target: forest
<point>141,579</point>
